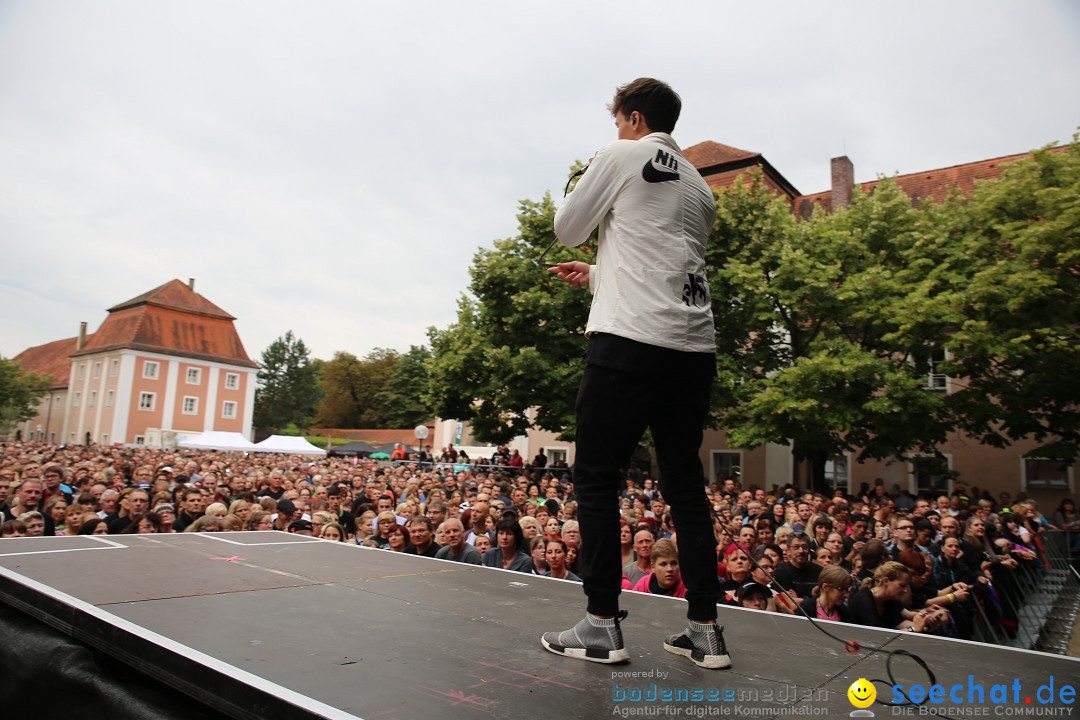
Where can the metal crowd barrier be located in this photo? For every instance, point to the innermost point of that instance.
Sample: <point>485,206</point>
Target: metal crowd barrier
<point>1042,596</point>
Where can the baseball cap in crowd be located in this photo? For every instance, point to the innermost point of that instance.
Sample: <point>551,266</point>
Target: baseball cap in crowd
<point>166,469</point>
<point>286,506</point>
<point>165,506</point>
<point>753,588</point>
<point>298,525</point>
<point>510,510</point>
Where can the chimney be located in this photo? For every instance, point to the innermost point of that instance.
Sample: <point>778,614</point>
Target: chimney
<point>81,342</point>
<point>843,181</point>
<point>191,284</point>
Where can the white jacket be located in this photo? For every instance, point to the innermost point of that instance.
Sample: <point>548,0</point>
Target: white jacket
<point>655,213</point>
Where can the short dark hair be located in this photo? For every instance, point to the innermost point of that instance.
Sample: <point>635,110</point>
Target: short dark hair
<point>422,520</point>
<point>652,98</point>
<point>512,526</point>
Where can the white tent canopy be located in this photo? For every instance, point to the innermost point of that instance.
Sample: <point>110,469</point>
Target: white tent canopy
<point>216,440</point>
<point>288,444</point>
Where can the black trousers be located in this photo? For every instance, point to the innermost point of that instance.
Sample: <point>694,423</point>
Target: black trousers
<point>614,407</point>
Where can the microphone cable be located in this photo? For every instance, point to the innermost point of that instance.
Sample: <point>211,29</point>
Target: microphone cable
<point>853,646</point>
<point>566,191</point>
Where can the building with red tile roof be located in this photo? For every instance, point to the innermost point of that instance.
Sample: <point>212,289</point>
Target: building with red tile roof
<point>166,361</point>
<point>1004,469</point>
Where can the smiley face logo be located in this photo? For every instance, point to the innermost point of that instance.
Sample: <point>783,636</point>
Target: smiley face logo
<point>862,693</point>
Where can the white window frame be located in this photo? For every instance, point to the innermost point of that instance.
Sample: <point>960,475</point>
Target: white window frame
<point>114,367</point>
<point>104,438</point>
<point>149,374</point>
<point>153,401</point>
<point>194,405</point>
<point>97,370</point>
<point>1027,484</point>
<point>556,454</point>
<point>935,380</point>
<point>52,437</point>
<point>232,381</point>
<point>226,406</point>
<point>76,399</point>
<point>81,372</point>
<point>92,401</point>
<point>714,464</point>
<point>831,476</point>
<point>108,398</point>
<point>71,438</point>
<point>913,480</point>
<point>197,373</point>
<point>140,439</point>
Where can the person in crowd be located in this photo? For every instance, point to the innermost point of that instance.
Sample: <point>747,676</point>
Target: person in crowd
<point>737,569</point>
<point>12,529</point>
<point>73,518</point>
<point>665,578</point>
<point>455,547</point>
<point>879,602</point>
<point>34,522</point>
<point>332,531</point>
<point>642,563</point>
<point>626,540</point>
<point>422,537</point>
<point>56,508</point>
<point>94,526</point>
<point>538,553</point>
<point>531,527</point>
<point>798,573</point>
<point>143,524</point>
<point>397,538</point>
<point>827,600</point>
<point>385,521</point>
<point>555,558</point>
<point>259,520</point>
<point>508,552</point>
<point>191,508</point>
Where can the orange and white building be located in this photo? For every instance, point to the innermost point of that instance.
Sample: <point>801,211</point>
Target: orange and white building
<point>168,361</point>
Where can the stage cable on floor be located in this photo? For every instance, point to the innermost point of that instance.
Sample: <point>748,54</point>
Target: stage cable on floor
<point>853,646</point>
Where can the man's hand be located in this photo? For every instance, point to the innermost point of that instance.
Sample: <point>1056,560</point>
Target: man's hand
<point>576,273</point>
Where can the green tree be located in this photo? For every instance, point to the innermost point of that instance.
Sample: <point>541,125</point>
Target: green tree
<point>288,389</point>
<point>828,329</point>
<point>809,330</point>
<point>353,387</point>
<point>20,393</point>
<point>513,358</point>
<point>406,397</point>
<point>1016,339</point>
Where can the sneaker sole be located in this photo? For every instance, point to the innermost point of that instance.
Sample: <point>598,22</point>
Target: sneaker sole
<point>592,655</point>
<point>711,662</point>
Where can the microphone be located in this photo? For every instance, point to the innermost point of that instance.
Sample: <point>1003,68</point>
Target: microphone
<point>566,191</point>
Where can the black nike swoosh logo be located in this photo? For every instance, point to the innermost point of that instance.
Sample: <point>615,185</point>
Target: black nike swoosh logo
<point>652,175</point>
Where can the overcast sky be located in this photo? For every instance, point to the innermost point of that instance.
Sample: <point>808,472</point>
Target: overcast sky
<point>332,167</point>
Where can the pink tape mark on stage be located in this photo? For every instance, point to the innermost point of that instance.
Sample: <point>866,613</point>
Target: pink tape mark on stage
<point>490,674</point>
<point>519,679</point>
<point>234,558</point>
<point>457,697</point>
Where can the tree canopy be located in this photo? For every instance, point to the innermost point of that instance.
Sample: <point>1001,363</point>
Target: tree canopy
<point>385,389</point>
<point>830,330</point>
<point>288,389</point>
<point>513,358</point>
<point>20,393</point>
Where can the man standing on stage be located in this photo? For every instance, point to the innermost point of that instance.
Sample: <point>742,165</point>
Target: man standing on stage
<point>649,364</point>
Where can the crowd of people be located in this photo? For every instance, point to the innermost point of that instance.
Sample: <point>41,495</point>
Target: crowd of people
<point>926,564</point>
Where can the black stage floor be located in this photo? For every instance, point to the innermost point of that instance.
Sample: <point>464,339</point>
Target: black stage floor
<point>275,625</point>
